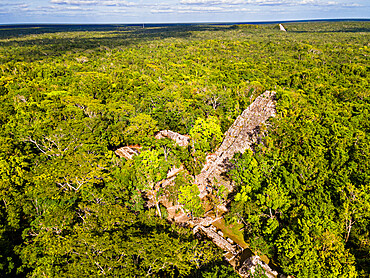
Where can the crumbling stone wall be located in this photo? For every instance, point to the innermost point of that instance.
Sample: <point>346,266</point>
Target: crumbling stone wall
<point>181,140</point>
<point>244,132</point>
<point>240,137</point>
<point>217,239</point>
<point>128,152</point>
<point>250,265</point>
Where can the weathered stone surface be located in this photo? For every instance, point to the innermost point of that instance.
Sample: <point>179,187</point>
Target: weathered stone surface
<point>216,239</point>
<point>182,219</point>
<point>181,140</point>
<point>176,213</point>
<point>251,263</point>
<point>163,199</point>
<point>220,233</point>
<point>174,171</point>
<point>240,137</point>
<point>128,152</point>
<point>203,221</point>
<point>282,27</point>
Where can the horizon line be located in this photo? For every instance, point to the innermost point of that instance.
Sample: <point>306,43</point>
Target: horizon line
<point>191,23</point>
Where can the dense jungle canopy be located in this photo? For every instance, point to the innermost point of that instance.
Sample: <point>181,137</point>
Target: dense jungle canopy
<point>71,95</point>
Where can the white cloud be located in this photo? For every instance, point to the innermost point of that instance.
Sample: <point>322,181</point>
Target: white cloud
<point>6,4</point>
<point>68,8</point>
<point>270,2</point>
<point>93,2</point>
<point>17,5</point>
<point>259,2</point>
<point>177,10</point>
<point>162,11</point>
<point>317,3</point>
<point>352,5</point>
<point>199,9</point>
<point>212,2</point>
<point>225,9</point>
<point>74,2</point>
<point>241,2</point>
<point>117,3</point>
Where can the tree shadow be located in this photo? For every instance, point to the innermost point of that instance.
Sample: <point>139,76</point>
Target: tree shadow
<point>219,268</point>
<point>347,30</point>
<point>352,26</point>
<point>40,42</point>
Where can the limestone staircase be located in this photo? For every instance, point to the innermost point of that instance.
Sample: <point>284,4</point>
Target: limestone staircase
<point>244,132</point>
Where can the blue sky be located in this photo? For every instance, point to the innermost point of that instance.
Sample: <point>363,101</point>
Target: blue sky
<point>167,11</point>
